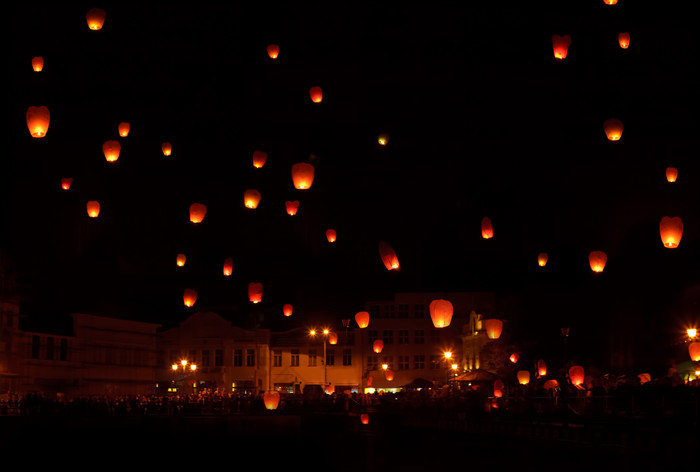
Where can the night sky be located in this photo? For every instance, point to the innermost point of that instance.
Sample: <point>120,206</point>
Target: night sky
<point>482,121</point>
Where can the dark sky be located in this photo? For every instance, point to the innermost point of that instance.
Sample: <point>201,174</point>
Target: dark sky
<point>483,121</point>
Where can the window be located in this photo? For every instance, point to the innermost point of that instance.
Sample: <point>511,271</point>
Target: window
<point>435,336</point>
<point>347,356</point>
<point>205,358</point>
<point>372,334</point>
<point>295,357</point>
<point>403,362</point>
<point>418,336</point>
<point>403,336</point>
<point>277,358</point>
<point>250,357</point>
<point>237,357</point>
<point>373,311</point>
<point>63,350</point>
<point>36,347</point>
<point>403,310</point>
<point>330,357</point>
<point>312,357</point>
<point>388,336</point>
<point>388,311</point>
<point>49,348</point>
<point>419,361</point>
<point>436,361</point>
<point>219,357</point>
<point>372,362</point>
<point>419,311</point>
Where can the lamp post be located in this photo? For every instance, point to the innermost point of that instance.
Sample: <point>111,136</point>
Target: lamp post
<point>325,334</point>
<point>186,366</point>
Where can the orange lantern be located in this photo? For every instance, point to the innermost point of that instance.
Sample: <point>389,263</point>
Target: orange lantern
<point>271,399</point>
<point>597,260</point>
<point>259,159</point>
<point>362,319</point>
<point>95,18</point>
<point>364,418</point>
<point>486,228</point>
<point>255,292</point>
<point>542,259</point>
<point>671,231</point>
<point>576,375</point>
<point>292,207</point>
<point>251,198</point>
<point>441,313</point>
<point>65,182</point>
<point>124,129</point>
<point>38,121</point>
<point>180,260</point>
<point>93,208</point>
<point>494,328</point>
<point>498,387</point>
<point>383,139</point>
<point>613,129</point>
<point>37,63</point>
<point>167,149</point>
<point>551,384</point>
<point>332,338</point>
<point>671,174</point>
<point>273,50</point>
<point>189,297</point>
<point>228,266</point>
<point>197,212</point>
<point>694,351</point>
<point>331,235</point>
<point>541,368</point>
<point>287,309</point>
<point>391,262</point>
<point>329,389</point>
<point>316,94</point>
<point>624,40</point>
<point>111,150</point>
<point>514,357</point>
<point>302,175</point>
<point>560,45</point>
<point>644,378</point>
<point>610,2</point>
<point>523,377</point>
<point>378,345</point>
<point>389,375</point>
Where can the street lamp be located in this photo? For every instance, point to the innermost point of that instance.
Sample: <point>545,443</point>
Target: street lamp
<point>186,366</point>
<point>326,333</point>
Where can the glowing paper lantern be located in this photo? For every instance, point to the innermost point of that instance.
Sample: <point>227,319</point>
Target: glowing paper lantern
<point>273,50</point>
<point>180,260</point>
<point>228,266</point>
<point>66,182</point>
<point>329,389</point>
<point>287,309</point>
<point>93,208</point>
<point>389,375</point>
<point>624,40</point>
<point>332,338</point>
<point>671,174</point>
<point>391,262</point>
<point>441,313</point>
<point>613,129</point>
<point>362,319</point>
<point>383,139</point>
<point>597,260</point>
<point>37,63</point>
<point>551,384</point>
<point>189,297</point>
<point>124,129</point>
<point>610,2</point>
<point>95,18</point>
<point>644,378</point>
<point>378,345</point>
<point>197,212</point>
<point>694,351</point>
<point>542,259</point>
<point>364,418</point>
<point>494,328</point>
<point>560,45</point>
<point>498,387</point>
<point>576,375</point>
<point>541,368</point>
<point>251,198</point>
<point>671,231</point>
<point>316,94</point>
<point>38,121</point>
<point>514,357</point>
<point>271,399</point>
<point>292,207</point>
<point>255,292</point>
<point>331,235</point>
<point>111,150</point>
<point>259,159</point>
<point>167,149</point>
<point>302,175</point>
<point>486,228</point>
<point>523,377</point>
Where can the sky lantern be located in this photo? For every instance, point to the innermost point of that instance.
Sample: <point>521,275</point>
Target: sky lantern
<point>38,121</point>
<point>610,2</point>
<point>551,384</point>
<point>541,368</point>
<point>95,18</point>
<point>694,351</point>
<point>560,45</point>
<point>498,387</point>
<point>644,378</point>
<point>292,207</point>
<point>542,259</point>
<point>494,327</point>
<point>389,375</point>
<point>93,208</point>
<point>378,345</point>
<point>383,139</point>
<point>362,319</point>
<point>167,149</point>
<point>391,262</point>
<point>271,399</point>
<point>38,63</point>
<point>111,150</point>
<point>180,260</point>
<point>124,129</point>
<point>486,228</point>
<point>189,297</point>
<point>514,357</point>
<point>671,174</point>
<point>259,159</point>
<point>597,260</point>
<point>251,198</point>
<point>197,212</point>
<point>316,94</point>
<point>624,40</point>
<point>287,309</point>
<point>255,292</point>
<point>441,313</point>
<point>613,129</point>
<point>228,266</point>
<point>576,375</point>
<point>671,231</point>
<point>364,418</point>
<point>331,235</point>
<point>66,182</point>
<point>273,50</point>
<point>302,175</point>
<point>332,338</point>
<point>523,377</point>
